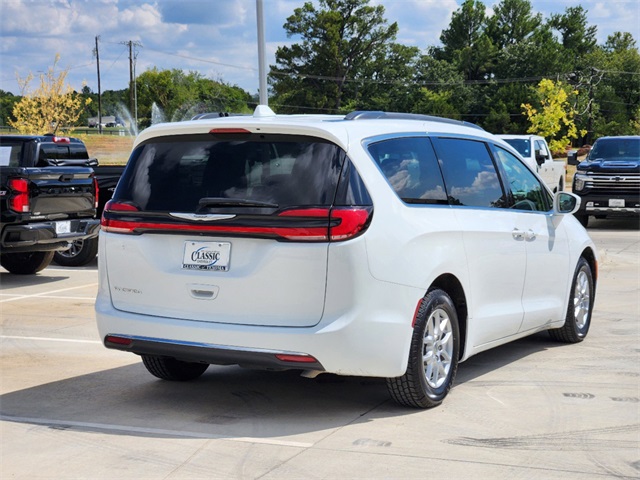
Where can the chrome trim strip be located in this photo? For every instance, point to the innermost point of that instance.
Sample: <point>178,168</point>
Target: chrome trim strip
<point>202,217</point>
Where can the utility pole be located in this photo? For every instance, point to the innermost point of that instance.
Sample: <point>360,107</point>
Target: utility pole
<point>131,87</point>
<point>133,94</point>
<point>99,92</point>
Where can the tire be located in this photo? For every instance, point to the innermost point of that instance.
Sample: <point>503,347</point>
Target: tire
<point>26,263</point>
<point>80,253</point>
<point>578,321</point>
<point>168,368</point>
<point>583,219</point>
<point>433,355</point>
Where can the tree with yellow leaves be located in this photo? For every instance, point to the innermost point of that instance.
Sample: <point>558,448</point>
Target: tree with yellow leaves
<point>49,108</point>
<point>555,119</point>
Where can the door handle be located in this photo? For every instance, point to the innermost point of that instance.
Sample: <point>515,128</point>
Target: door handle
<point>530,235</point>
<point>517,234</point>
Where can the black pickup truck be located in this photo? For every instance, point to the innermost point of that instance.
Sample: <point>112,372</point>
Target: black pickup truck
<point>49,151</point>
<point>608,180</point>
<point>43,208</point>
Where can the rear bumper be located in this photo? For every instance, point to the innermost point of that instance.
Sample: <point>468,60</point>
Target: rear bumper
<point>369,339</point>
<point>42,236</point>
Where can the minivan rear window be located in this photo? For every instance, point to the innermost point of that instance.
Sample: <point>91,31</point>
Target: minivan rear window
<point>175,173</point>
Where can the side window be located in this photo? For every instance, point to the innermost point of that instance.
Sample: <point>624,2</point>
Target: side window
<point>411,168</point>
<point>469,173</point>
<point>351,189</point>
<point>526,191</point>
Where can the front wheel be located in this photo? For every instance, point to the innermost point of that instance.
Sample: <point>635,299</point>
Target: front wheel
<point>168,368</point>
<point>578,320</point>
<point>26,263</point>
<point>433,355</point>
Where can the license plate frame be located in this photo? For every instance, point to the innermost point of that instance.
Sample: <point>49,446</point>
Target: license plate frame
<point>210,256</point>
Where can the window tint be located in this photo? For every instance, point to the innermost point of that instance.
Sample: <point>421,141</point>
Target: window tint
<point>10,154</point>
<point>522,145</point>
<point>469,173</point>
<point>526,191</point>
<point>175,173</point>
<point>351,189</point>
<point>411,168</point>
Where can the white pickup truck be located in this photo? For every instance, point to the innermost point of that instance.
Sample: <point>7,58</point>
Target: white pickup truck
<point>535,151</point>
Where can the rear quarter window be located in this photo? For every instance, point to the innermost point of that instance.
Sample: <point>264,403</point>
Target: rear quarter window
<point>411,168</point>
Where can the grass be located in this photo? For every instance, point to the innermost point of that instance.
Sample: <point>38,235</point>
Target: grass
<point>108,149</point>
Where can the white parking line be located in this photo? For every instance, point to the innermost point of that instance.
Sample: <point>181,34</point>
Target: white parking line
<point>46,294</point>
<point>47,339</point>
<point>150,431</point>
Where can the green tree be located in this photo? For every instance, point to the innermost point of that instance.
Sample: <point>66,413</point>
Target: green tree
<point>512,22</point>
<point>339,39</point>
<point>465,42</point>
<point>178,95</point>
<point>7,102</point>
<point>578,38</point>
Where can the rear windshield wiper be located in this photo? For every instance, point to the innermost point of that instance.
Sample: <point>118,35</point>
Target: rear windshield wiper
<point>233,202</point>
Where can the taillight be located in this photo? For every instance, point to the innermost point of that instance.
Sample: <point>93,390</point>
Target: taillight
<point>343,223</point>
<point>19,200</point>
<point>310,224</point>
<point>117,226</point>
<point>96,190</point>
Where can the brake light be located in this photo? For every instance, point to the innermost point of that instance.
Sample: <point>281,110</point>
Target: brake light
<point>114,225</point>
<point>19,201</point>
<point>229,130</point>
<point>96,192</point>
<point>61,140</point>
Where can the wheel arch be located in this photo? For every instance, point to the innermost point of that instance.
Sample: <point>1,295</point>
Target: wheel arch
<point>452,286</point>
<point>590,256</point>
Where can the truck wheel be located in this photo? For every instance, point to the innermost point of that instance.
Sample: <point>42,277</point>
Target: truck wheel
<point>26,263</point>
<point>433,355</point>
<point>576,325</point>
<point>583,219</point>
<point>80,253</point>
<point>168,368</point>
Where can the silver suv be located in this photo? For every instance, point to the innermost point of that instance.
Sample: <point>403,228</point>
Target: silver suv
<point>373,244</point>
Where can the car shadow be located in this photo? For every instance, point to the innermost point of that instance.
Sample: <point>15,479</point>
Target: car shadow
<point>614,223</point>
<point>10,280</point>
<point>226,402</point>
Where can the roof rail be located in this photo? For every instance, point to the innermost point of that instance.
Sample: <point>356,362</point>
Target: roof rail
<point>372,115</point>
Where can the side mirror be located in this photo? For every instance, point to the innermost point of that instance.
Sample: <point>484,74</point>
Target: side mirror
<point>566,203</point>
<point>572,158</point>
<point>540,157</point>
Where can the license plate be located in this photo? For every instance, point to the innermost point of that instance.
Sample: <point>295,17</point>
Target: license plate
<point>63,227</point>
<point>616,202</point>
<point>207,256</point>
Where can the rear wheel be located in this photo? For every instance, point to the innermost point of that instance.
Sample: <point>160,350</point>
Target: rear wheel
<point>433,356</point>
<point>26,263</point>
<point>168,368</point>
<point>80,253</point>
<point>576,325</point>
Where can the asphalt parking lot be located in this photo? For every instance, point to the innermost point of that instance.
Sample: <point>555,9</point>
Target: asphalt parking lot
<point>70,409</point>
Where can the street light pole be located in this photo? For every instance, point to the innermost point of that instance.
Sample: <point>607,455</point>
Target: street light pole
<point>262,68</point>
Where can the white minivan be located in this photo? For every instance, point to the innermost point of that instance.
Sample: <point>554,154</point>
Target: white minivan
<point>372,244</point>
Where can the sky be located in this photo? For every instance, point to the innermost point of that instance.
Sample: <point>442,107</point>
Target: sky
<point>217,38</point>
